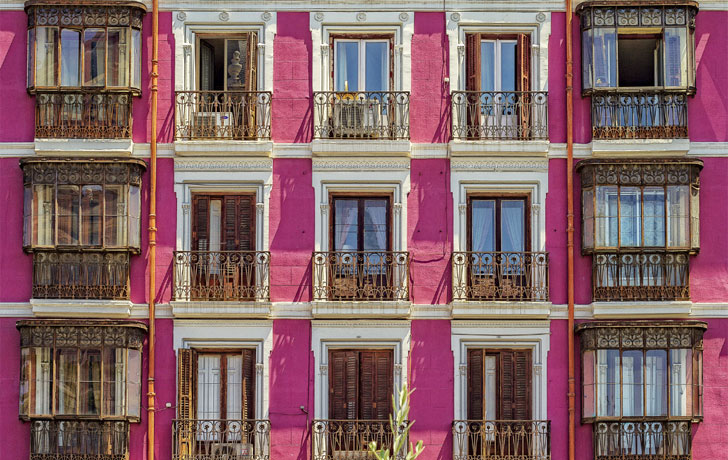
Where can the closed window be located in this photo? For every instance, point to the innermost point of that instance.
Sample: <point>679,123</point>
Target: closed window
<point>361,224</point>
<point>360,384</point>
<point>499,384</point>
<point>223,223</point>
<point>498,224</point>
<point>362,64</point>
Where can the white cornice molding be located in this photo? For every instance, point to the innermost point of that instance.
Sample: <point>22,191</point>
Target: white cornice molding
<point>536,148</point>
<point>291,310</point>
<point>349,324</point>
<point>242,164</point>
<point>202,309</point>
<point>341,164</point>
<point>223,148</point>
<point>664,147</point>
<point>348,148</point>
<point>425,151</point>
<point>17,149</point>
<point>499,164</point>
<point>426,311</point>
<point>364,309</point>
<point>291,150</point>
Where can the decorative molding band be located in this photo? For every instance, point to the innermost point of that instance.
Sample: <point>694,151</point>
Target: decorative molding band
<point>357,310</point>
<point>320,164</point>
<point>425,311</point>
<point>221,309</point>
<point>422,151</point>
<point>17,149</point>
<point>535,148</point>
<point>143,150</point>
<point>291,150</point>
<point>469,309</point>
<point>205,323</point>
<point>500,324</point>
<point>352,324</point>
<point>366,149</point>
<point>224,148</point>
<point>81,308</point>
<point>224,165</point>
<point>648,148</point>
<point>82,147</point>
<point>499,164</point>
<point>290,310</point>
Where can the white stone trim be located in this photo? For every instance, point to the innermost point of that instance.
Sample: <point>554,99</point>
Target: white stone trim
<point>533,335</point>
<point>345,148</point>
<point>218,309</point>
<point>361,309</point>
<point>290,310</point>
<point>326,335</point>
<point>500,309</point>
<point>81,308</point>
<point>425,311</point>
<point>82,147</point>
<point>535,148</point>
<point>225,148</point>
<point>636,310</point>
<point>291,150</point>
<point>232,334</point>
<point>323,24</point>
<point>424,151</point>
<point>641,148</point>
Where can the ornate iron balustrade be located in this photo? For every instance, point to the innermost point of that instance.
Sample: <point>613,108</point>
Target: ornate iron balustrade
<point>361,115</point>
<point>221,275</point>
<point>501,115</point>
<point>361,275</point>
<point>240,115</point>
<point>88,114</point>
<point>640,115</point>
<point>81,275</point>
<point>221,439</point>
<point>641,276</point>
<point>642,440</point>
<point>515,276</point>
<point>79,440</point>
<point>501,439</point>
<point>349,439</point>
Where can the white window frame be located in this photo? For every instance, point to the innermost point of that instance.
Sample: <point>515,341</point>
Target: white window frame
<point>497,42</point>
<point>361,66</point>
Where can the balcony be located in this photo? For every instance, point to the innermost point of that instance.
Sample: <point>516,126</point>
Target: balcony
<point>349,439</point>
<point>83,115</point>
<point>501,439</point>
<point>79,440</point>
<point>641,276</point>
<point>223,115</point>
<point>652,114</point>
<point>220,439</point>
<point>500,276</point>
<point>81,275</point>
<point>513,115</point>
<point>361,115</point>
<point>642,440</point>
<point>238,276</point>
<point>361,275</point>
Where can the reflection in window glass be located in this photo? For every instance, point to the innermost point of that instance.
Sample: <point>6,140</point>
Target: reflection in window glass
<point>630,221</point>
<point>375,225</point>
<point>676,57</point>
<point>632,389</point>
<point>376,66</point>
<point>347,66</point>
<point>346,226</point>
<point>70,57</point>
<point>605,57</point>
<point>508,65</point>
<point>681,384</point>
<point>487,65</point>
<point>68,211</point>
<point>208,387</point>
<point>608,383</point>
<point>653,201</point>
<point>587,404</point>
<point>43,212</point>
<point>607,213</point>
<point>588,216</point>
<point>678,213</point>
<point>134,215</point>
<point>90,382</point>
<point>114,379</point>
<point>91,215</point>
<point>31,57</point>
<point>94,49</point>
<point>586,59</point>
<point>134,382</point>
<point>115,215</point>
<point>46,58</point>
<point>66,380</point>
<point>655,383</point>
<point>136,58</point>
<point>118,57</point>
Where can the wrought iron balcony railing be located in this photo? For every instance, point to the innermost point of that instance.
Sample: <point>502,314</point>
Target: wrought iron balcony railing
<point>79,440</point>
<point>88,114</point>
<point>81,275</point>
<point>641,276</point>
<point>640,115</point>
<point>514,276</point>
<point>642,440</point>
<point>221,439</point>
<point>502,115</point>
<point>221,275</point>
<point>501,439</point>
<point>361,275</point>
<point>235,115</point>
<point>361,115</point>
<point>349,439</point>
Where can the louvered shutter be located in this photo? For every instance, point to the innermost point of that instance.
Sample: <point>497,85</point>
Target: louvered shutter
<point>238,234</point>
<point>251,63</point>
<point>248,399</point>
<point>524,82</point>
<point>472,62</point>
<point>506,386</point>
<point>367,385</point>
<point>343,385</point>
<point>200,223</point>
<point>476,391</point>
<point>185,392</point>
<point>384,375</point>
<point>515,394</point>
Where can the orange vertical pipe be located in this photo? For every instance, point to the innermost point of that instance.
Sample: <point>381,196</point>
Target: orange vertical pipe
<point>570,219</point>
<point>151,395</point>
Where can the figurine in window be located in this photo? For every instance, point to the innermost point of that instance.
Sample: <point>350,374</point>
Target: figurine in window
<point>234,70</point>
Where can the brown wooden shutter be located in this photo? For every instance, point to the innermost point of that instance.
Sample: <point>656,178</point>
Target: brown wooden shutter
<point>476,386</point>
<point>472,62</point>
<point>200,223</point>
<point>248,399</point>
<point>367,385</point>
<point>343,384</point>
<point>384,375</point>
<point>251,63</point>
<point>238,225</point>
<point>524,62</point>
<point>515,375</point>
<point>185,400</point>
<point>505,411</point>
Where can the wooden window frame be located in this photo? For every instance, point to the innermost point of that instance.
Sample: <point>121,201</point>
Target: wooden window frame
<point>499,198</point>
<point>473,59</point>
<point>356,387</point>
<point>194,234</point>
<point>499,353</point>
<point>361,198</point>
<point>362,37</point>
<point>251,58</point>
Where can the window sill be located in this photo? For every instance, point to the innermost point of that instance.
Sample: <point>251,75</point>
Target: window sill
<point>360,309</point>
<point>462,309</point>
<point>220,309</point>
<point>224,147</point>
<point>659,309</point>
<point>84,147</point>
<point>466,148</point>
<point>362,147</point>
<point>640,148</point>
<point>81,308</point>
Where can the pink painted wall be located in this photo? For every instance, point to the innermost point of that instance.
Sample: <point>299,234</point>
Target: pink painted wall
<point>14,434</point>
<point>429,230</point>
<point>292,92</point>
<point>292,231</point>
<point>16,125</point>
<point>291,386</point>
<point>430,95</point>
<point>431,406</point>
<point>708,110</point>
<point>16,271</point>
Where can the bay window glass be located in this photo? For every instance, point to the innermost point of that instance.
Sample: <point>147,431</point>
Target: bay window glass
<point>361,65</point>
<point>70,57</point>
<point>118,56</point>
<point>94,57</point>
<point>46,57</point>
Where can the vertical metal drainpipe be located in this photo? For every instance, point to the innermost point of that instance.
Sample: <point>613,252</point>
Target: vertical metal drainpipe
<point>570,219</point>
<point>151,395</point>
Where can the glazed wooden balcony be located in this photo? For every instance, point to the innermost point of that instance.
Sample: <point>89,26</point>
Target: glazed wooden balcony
<point>223,115</point>
<point>361,275</point>
<point>221,439</point>
<point>641,276</point>
<point>495,276</point>
<point>501,439</point>
<point>349,439</point>
<point>643,440</point>
<point>221,276</point>
<point>87,114</point>
<point>502,115</point>
<point>361,115</point>
<point>646,114</point>
<point>81,275</point>
<point>79,440</point>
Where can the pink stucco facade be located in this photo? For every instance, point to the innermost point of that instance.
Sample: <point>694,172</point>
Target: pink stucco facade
<point>425,328</point>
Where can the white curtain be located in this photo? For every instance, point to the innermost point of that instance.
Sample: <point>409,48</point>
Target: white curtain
<point>680,382</point>
<point>656,383</point>
<point>483,226</point>
<point>512,226</point>
<point>346,212</point>
<point>677,216</point>
<point>654,210</point>
<point>208,387</point>
<point>630,217</point>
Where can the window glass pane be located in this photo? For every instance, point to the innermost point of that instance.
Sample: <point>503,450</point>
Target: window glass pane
<point>91,215</point>
<point>487,65</point>
<point>43,214</point>
<point>115,219</point>
<point>376,66</point>
<point>587,403</point>
<point>31,57</point>
<point>346,225</point>
<point>118,56</point>
<point>136,58</point>
<point>66,380</point>
<point>68,214</point>
<point>653,199</point>
<point>70,57</point>
<point>586,59</point>
<point>483,226</point>
<point>27,215</point>
<point>632,389</point>
<point>208,387</point>
<point>35,381</point>
<point>606,216</point>
<point>236,56</point>
<point>491,387</point>
<point>513,215</point>
<point>605,57</point>
<point>114,381</point>
<point>90,383</point>
<point>94,50</point>
<point>234,387</point>
<point>681,382</point>
<point>656,383</point>
<point>46,58</point>
<point>134,382</point>
<point>588,206</point>
<point>676,57</point>
<point>347,66</point>
<point>508,66</point>
<point>678,222</point>
<point>375,225</point>
<point>630,229</point>
<point>608,389</point>
<point>26,376</point>
<point>134,216</point>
